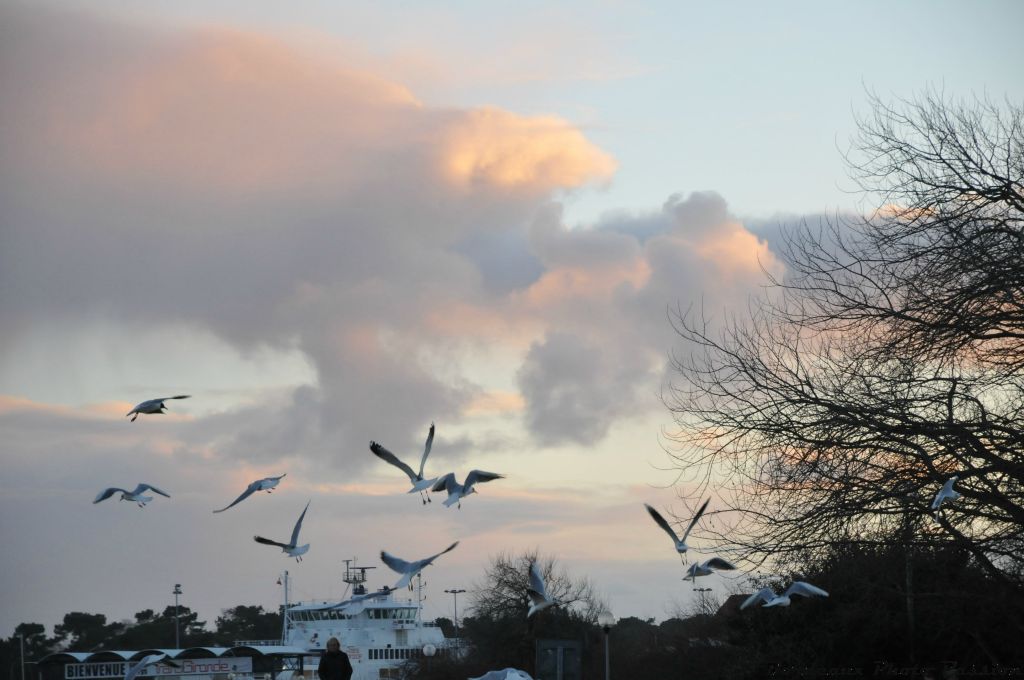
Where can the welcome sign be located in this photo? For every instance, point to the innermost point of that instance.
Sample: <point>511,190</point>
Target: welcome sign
<point>117,669</point>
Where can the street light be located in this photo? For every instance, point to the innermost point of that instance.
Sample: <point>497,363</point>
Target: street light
<point>606,621</point>
<point>429,651</point>
<point>703,599</point>
<point>455,595</point>
<point>21,638</point>
<point>177,634</point>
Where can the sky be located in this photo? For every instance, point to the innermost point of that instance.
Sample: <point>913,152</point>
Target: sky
<point>332,223</point>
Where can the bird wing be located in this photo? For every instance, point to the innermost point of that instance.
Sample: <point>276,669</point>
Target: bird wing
<point>250,490</point>
<point>719,563</point>
<point>536,597</point>
<point>298,526</point>
<point>536,581</point>
<point>389,457</point>
<point>142,487</point>
<point>806,589</point>
<point>765,594</point>
<point>445,483</point>
<point>180,396</point>
<point>696,517</point>
<point>426,450</point>
<point>434,557</point>
<point>395,563</point>
<point>661,522</point>
<point>107,493</point>
<point>480,476</point>
<point>267,541</point>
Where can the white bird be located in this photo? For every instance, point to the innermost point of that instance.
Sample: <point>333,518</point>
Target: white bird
<point>410,569</point>
<point>770,599</point>
<point>456,491</point>
<point>539,600</point>
<point>357,603</point>
<point>505,674</point>
<point>133,495</point>
<point>705,568</point>
<point>265,484</point>
<point>680,543</point>
<point>418,482</point>
<point>291,548</point>
<point>149,660</point>
<point>946,493</point>
<point>154,407</point>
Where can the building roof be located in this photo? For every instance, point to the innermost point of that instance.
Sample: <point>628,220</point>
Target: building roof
<point>189,653</point>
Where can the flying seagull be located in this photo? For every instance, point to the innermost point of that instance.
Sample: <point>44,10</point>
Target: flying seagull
<point>153,406</point>
<point>265,484</point>
<point>149,660</point>
<point>410,569</point>
<point>680,543</point>
<point>705,568</point>
<point>770,599</point>
<point>291,548</point>
<point>456,491</point>
<point>134,495</point>
<point>946,493</point>
<point>418,482</point>
<point>357,603</point>
<point>539,600</point>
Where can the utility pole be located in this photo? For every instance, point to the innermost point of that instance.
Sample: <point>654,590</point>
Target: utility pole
<point>177,627</point>
<point>455,594</point>
<point>21,642</point>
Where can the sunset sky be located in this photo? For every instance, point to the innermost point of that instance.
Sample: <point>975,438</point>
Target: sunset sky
<point>331,223</point>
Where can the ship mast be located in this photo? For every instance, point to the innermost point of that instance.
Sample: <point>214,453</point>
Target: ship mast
<point>284,612</point>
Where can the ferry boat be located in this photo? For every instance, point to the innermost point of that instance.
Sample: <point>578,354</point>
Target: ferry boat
<point>378,630</point>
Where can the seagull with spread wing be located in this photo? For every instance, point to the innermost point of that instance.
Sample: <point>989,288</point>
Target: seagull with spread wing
<point>133,495</point>
<point>706,568</point>
<point>418,482</point>
<point>680,543</point>
<point>456,491</point>
<point>410,569</point>
<point>771,599</point>
<point>357,603</point>
<point>539,600</point>
<point>291,548</point>
<point>946,493</point>
<point>154,407</point>
<point>146,661</point>
<point>266,484</point>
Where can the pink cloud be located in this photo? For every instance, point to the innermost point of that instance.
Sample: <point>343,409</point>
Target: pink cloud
<point>225,110</point>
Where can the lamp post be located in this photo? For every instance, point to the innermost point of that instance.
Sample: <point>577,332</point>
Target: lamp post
<point>429,651</point>
<point>21,642</point>
<point>177,634</point>
<point>703,600</point>
<point>606,621</point>
<point>455,595</point>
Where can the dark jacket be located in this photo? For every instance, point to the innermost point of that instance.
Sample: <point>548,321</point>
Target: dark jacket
<point>334,666</point>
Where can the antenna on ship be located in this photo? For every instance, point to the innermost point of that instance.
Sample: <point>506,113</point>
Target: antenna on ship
<point>283,580</point>
<point>355,576</point>
<point>419,597</point>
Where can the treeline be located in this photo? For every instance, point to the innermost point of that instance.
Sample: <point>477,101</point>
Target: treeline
<point>84,632</point>
<point>892,612</point>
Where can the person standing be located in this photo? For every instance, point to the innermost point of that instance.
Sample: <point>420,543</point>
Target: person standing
<point>334,664</point>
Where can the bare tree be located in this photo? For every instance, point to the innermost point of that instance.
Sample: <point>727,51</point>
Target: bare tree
<point>888,359</point>
<point>502,594</point>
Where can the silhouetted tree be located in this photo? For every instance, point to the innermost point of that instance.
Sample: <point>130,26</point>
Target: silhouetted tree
<point>247,623</point>
<point>887,359</point>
